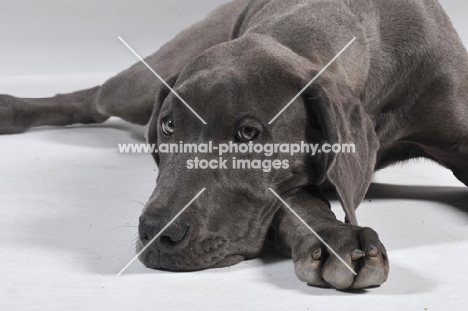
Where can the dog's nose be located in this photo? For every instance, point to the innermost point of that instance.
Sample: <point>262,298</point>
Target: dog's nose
<point>172,236</point>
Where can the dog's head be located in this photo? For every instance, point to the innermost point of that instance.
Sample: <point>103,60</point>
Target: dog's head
<point>237,88</point>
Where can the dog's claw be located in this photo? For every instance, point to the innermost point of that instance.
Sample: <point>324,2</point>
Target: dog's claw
<point>372,251</point>
<point>317,254</point>
<point>357,254</point>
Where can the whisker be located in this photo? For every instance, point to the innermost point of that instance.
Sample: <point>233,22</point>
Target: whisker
<point>122,227</point>
<point>133,244</point>
<point>136,201</point>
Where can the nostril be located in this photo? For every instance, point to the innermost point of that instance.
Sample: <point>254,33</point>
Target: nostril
<point>145,229</point>
<point>151,225</point>
<point>167,241</point>
<point>144,237</point>
<point>173,236</point>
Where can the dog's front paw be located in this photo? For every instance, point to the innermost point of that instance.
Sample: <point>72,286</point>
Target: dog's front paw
<point>359,247</point>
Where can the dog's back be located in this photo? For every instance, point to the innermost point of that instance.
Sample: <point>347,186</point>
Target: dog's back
<point>410,72</point>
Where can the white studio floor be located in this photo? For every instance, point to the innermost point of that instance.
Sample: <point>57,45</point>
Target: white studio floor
<point>69,210</point>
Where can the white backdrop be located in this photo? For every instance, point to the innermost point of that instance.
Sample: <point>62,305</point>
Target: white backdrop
<point>64,36</point>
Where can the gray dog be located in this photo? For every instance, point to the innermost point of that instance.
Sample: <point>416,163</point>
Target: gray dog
<point>399,92</point>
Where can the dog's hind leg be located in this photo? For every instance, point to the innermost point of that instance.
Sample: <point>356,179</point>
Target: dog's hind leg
<point>19,114</point>
<point>131,94</point>
<point>443,135</point>
<point>462,175</point>
<point>457,162</point>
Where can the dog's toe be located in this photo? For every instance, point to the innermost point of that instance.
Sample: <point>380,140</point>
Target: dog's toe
<point>309,269</point>
<point>374,266</point>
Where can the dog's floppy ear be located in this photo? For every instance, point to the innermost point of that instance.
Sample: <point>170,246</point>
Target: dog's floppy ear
<point>153,125</point>
<point>336,116</point>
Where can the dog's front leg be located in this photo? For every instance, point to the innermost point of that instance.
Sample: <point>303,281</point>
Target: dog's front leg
<point>314,263</point>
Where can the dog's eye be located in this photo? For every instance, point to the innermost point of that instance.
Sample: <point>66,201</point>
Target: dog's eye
<point>167,126</point>
<point>246,134</point>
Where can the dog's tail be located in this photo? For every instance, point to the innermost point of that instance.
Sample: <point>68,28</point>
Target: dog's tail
<point>19,114</point>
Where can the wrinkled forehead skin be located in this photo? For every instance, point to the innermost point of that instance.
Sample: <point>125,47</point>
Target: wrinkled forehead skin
<point>241,77</point>
<point>229,89</point>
